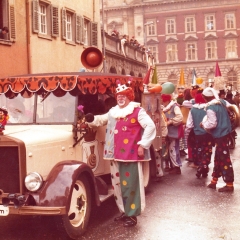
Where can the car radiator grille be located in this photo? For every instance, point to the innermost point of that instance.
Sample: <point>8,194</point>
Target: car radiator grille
<point>9,169</point>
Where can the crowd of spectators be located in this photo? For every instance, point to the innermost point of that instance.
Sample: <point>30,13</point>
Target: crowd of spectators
<point>132,41</point>
<point>230,97</point>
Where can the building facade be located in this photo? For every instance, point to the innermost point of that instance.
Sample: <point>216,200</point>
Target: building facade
<point>47,36</point>
<point>50,36</point>
<point>183,34</point>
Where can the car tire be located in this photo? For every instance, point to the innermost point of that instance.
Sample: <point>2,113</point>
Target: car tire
<point>76,221</point>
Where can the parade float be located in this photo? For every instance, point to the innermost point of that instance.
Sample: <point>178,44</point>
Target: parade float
<point>51,162</point>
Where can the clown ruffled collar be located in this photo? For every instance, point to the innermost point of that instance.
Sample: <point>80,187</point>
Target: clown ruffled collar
<point>168,107</point>
<point>199,105</point>
<point>213,102</point>
<point>118,112</point>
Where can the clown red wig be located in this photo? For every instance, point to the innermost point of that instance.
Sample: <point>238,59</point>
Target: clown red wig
<point>199,98</point>
<point>129,93</point>
<point>166,97</point>
<point>194,91</point>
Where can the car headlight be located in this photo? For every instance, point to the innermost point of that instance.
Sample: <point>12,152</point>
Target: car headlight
<point>33,181</point>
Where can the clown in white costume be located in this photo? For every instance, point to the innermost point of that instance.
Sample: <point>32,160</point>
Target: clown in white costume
<point>130,132</point>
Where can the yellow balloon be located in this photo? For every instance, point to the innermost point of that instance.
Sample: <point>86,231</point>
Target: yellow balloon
<point>199,80</point>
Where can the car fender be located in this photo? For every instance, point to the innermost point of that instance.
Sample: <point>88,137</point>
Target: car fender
<point>57,189</point>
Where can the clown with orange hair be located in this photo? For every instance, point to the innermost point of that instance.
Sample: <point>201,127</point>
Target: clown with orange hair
<point>129,135</point>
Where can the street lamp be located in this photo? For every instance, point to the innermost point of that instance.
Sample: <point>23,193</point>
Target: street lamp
<point>103,39</point>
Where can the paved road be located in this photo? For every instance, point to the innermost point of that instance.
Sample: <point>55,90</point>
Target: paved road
<point>179,207</point>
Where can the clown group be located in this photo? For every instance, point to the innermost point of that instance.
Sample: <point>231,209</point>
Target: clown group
<point>207,125</point>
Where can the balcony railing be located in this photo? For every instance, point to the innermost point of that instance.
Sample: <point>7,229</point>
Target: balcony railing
<point>115,45</point>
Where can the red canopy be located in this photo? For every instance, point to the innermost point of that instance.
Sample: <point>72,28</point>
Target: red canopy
<point>86,82</point>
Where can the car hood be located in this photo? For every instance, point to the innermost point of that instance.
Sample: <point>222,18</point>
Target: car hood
<point>37,134</point>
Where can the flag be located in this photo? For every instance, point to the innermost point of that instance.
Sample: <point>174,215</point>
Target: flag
<point>194,78</point>
<point>181,80</point>
<point>217,71</point>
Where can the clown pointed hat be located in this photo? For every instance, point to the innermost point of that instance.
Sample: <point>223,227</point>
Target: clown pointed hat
<point>219,81</point>
<point>194,78</point>
<point>146,78</point>
<point>154,77</point>
<point>217,71</point>
<point>181,80</point>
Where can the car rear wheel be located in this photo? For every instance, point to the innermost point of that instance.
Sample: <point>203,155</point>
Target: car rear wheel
<point>76,221</point>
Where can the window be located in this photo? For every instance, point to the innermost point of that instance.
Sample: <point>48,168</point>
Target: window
<point>69,27</point>
<point>170,26</point>
<point>45,20</point>
<point>151,29</point>
<point>191,51</point>
<point>211,50</point>
<point>209,22</point>
<point>76,28</point>
<point>153,50</point>
<point>19,109</point>
<point>86,32</point>
<point>42,19</point>
<point>231,48</point>
<point>171,53</point>
<point>232,79</point>
<point>230,21</point>
<point>55,109</point>
<point>189,24</point>
<point>7,19</point>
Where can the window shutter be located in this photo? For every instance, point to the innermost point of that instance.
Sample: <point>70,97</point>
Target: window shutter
<point>12,22</point>
<point>78,29</point>
<point>55,23</point>
<point>64,24</point>
<point>82,30</point>
<point>94,34</point>
<point>35,21</point>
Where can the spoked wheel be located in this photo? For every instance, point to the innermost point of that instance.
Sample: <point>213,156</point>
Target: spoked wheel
<point>76,221</point>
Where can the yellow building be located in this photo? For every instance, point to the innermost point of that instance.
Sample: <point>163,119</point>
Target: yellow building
<point>47,36</point>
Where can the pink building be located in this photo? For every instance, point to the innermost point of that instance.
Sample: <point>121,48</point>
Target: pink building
<point>183,34</point>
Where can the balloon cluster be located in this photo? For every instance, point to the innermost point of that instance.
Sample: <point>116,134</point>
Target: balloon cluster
<point>165,88</point>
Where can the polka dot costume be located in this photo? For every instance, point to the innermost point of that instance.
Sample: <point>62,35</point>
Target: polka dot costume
<point>222,162</point>
<point>127,133</point>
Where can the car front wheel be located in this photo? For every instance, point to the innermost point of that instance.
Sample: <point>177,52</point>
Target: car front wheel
<point>76,221</point>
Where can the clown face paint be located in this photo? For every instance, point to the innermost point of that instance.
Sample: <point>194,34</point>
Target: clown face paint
<point>122,101</point>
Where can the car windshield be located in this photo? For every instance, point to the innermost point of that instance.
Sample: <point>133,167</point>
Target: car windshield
<point>49,109</point>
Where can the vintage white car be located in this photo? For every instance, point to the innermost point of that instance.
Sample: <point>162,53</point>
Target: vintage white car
<point>50,162</point>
